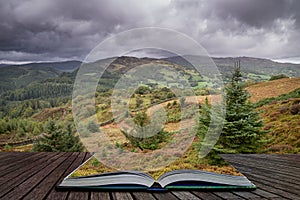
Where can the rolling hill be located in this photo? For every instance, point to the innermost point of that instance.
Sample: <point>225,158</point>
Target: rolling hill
<point>17,76</point>
<point>279,104</point>
<point>269,89</point>
<point>38,92</point>
<point>282,120</point>
<point>256,69</point>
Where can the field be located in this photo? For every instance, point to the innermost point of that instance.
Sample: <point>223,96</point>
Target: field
<point>273,88</point>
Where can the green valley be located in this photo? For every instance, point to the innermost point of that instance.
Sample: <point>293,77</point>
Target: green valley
<point>33,95</point>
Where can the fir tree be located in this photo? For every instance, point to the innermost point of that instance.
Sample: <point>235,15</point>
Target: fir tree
<point>242,130</point>
<point>70,142</point>
<point>204,119</point>
<point>58,139</point>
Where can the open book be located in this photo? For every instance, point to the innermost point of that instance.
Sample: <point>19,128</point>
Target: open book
<point>136,180</point>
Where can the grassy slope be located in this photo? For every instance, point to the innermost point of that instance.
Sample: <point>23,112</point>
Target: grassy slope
<point>283,126</point>
<point>259,91</point>
<point>284,131</point>
<point>274,88</point>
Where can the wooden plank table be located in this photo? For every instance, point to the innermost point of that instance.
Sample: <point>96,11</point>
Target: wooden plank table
<point>34,176</point>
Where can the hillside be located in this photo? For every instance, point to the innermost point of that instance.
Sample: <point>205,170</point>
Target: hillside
<point>17,76</point>
<point>268,89</point>
<point>282,120</point>
<point>280,112</point>
<point>256,69</point>
<point>33,94</point>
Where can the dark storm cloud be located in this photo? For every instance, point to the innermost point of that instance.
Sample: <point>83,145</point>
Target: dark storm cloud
<point>69,29</point>
<point>57,28</point>
<point>253,13</point>
<point>268,28</point>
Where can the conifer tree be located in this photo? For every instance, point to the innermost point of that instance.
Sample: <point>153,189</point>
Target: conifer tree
<point>70,142</point>
<point>204,119</point>
<point>58,139</point>
<point>242,127</point>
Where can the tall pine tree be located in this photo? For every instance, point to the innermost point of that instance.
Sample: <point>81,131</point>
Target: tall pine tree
<point>242,131</point>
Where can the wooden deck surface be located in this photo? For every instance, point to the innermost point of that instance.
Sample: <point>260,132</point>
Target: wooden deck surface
<point>34,176</point>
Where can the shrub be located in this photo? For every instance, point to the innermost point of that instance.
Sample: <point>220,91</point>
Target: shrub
<point>276,77</point>
<point>142,90</point>
<point>174,112</point>
<point>174,103</point>
<point>151,143</point>
<point>283,109</point>
<point>95,162</point>
<point>295,109</point>
<point>141,118</point>
<point>93,127</point>
<point>7,147</point>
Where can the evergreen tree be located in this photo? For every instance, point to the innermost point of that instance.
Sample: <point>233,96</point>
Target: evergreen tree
<point>49,141</point>
<point>58,139</point>
<point>36,130</point>
<point>204,119</point>
<point>242,128</point>
<point>70,142</point>
<point>206,109</point>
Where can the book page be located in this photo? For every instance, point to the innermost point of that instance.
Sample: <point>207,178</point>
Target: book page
<point>190,160</point>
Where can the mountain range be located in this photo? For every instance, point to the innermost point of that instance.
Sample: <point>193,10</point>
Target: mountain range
<point>257,69</point>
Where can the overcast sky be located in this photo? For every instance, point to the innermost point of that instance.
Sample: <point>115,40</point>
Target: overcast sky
<point>48,30</point>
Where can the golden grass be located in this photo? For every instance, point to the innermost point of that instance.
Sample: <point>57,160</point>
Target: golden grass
<point>283,127</point>
<point>273,88</point>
